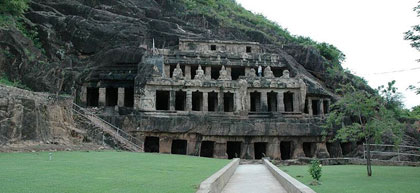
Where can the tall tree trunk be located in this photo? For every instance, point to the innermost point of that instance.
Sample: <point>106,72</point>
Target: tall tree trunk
<point>368,162</point>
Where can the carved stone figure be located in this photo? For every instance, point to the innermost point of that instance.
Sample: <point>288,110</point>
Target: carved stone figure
<point>303,90</point>
<point>243,91</point>
<point>286,74</point>
<point>268,73</point>
<point>199,74</point>
<point>224,75</point>
<point>178,74</point>
<point>252,73</point>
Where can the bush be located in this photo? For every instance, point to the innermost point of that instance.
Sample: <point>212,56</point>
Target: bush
<point>13,7</point>
<point>315,169</point>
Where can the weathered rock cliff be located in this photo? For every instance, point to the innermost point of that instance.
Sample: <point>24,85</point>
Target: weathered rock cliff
<point>30,120</point>
<point>80,37</point>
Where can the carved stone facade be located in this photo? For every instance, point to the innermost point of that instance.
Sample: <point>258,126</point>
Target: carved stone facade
<point>206,99</point>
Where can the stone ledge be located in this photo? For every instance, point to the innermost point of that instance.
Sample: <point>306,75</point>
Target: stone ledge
<point>289,183</point>
<point>216,182</point>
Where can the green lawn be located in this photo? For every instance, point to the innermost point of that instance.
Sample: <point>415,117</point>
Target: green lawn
<point>353,178</point>
<point>104,172</point>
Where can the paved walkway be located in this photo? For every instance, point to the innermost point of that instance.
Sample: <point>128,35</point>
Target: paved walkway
<point>255,178</point>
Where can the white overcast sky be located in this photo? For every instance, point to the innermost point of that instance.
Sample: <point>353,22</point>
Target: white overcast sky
<point>369,32</point>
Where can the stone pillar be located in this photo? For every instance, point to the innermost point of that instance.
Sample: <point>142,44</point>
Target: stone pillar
<point>205,101</point>
<point>310,111</point>
<point>172,100</point>
<point>280,101</point>
<point>137,99</point>
<point>273,149</point>
<point>167,71</point>
<point>208,72</point>
<point>247,71</point>
<point>229,71</point>
<point>165,144</point>
<point>248,104</point>
<point>188,106</point>
<point>220,150</point>
<point>102,97</point>
<point>193,146</point>
<point>247,151</point>
<point>187,72</point>
<point>237,102</point>
<point>221,105</point>
<point>296,102</point>
<point>327,101</point>
<point>264,102</point>
<point>321,151</point>
<point>121,94</point>
<point>83,95</point>
<point>298,150</point>
<point>321,106</point>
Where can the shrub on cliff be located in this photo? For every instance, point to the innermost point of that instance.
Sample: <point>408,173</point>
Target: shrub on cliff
<point>13,7</point>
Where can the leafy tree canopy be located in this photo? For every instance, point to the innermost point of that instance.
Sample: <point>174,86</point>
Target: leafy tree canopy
<point>413,35</point>
<point>359,115</point>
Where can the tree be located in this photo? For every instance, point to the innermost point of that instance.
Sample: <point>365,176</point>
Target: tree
<point>360,116</point>
<point>13,7</point>
<point>413,35</point>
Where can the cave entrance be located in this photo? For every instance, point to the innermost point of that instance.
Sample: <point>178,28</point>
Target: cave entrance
<point>277,72</point>
<point>345,148</point>
<point>180,100</point>
<point>309,149</point>
<point>315,107</point>
<point>237,72</point>
<point>326,106</point>
<point>286,150</point>
<point>248,49</point>
<point>255,101</point>
<point>305,110</point>
<point>162,100</point>
<point>213,101</point>
<point>228,101</point>
<point>151,144</point>
<point>197,101</point>
<point>272,101</point>
<point>215,72</point>
<point>179,146</point>
<point>207,149</point>
<point>288,102</point>
<point>233,149</point>
<point>129,97</point>
<point>111,97</point>
<point>260,149</point>
<point>194,69</point>
<point>92,97</point>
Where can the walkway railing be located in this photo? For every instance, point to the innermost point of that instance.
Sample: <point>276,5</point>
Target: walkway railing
<point>399,150</point>
<point>119,132</point>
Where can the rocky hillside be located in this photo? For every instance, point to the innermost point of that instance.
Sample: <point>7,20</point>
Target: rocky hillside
<point>60,43</point>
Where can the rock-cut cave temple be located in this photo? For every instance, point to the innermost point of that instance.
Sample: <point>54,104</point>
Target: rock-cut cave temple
<point>213,98</point>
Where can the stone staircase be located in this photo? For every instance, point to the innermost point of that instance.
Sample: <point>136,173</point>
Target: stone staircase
<point>125,141</point>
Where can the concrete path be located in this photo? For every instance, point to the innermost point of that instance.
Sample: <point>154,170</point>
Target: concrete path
<point>253,178</point>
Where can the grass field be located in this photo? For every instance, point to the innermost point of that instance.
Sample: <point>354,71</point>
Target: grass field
<point>353,178</point>
<point>104,172</point>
